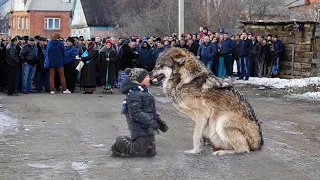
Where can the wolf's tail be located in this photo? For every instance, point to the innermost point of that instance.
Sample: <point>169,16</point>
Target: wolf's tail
<point>256,139</point>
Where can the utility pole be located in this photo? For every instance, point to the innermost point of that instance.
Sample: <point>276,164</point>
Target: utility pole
<point>181,17</point>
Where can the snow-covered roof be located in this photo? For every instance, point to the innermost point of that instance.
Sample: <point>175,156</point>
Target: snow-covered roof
<point>48,5</point>
<point>295,3</point>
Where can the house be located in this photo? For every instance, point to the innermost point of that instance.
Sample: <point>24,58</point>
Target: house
<point>5,6</point>
<point>304,9</point>
<point>301,43</point>
<point>91,19</point>
<point>40,17</point>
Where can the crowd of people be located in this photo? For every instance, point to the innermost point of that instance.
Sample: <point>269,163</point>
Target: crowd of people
<point>35,64</point>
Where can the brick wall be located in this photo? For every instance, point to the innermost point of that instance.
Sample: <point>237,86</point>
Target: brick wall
<point>36,23</point>
<point>24,29</point>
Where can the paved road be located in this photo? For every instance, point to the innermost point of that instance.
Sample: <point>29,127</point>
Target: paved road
<point>69,137</point>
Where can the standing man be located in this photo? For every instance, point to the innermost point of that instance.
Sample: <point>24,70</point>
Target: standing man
<point>206,52</point>
<point>192,47</point>
<point>42,74</point>
<point>245,48</point>
<point>13,63</point>
<point>227,51</point>
<point>29,58</point>
<point>160,49</point>
<point>278,46</point>
<point>255,56</point>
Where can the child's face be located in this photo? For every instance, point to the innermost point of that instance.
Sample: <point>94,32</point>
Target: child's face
<point>146,81</point>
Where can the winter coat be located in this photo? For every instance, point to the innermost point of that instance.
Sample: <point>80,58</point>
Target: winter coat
<point>12,55</point>
<point>79,48</point>
<point>29,54</point>
<point>88,71</point>
<point>227,47</point>
<point>127,57</point>
<point>41,56</point>
<point>108,66</point>
<point>55,54</point>
<point>70,54</point>
<point>207,52</point>
<point>157,52</point>
<point>235,50</point>
<point>256,50</point>
<point>146,59</point>
<point>193,48</point>
<point>245,47</point>
<point>278,45</point>
<point>141,114</point>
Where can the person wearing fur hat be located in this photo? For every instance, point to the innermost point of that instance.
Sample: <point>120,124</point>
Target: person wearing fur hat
<point>141,115</point>
<point>107,61</point>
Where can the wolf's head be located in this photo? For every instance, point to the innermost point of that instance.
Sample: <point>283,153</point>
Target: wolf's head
<point>179,63</point>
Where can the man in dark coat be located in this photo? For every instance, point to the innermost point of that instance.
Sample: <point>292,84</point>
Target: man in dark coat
<point>146,59</point>
<point>255,56</point>
<point>227,52</point>
<point>192,47</point>
<point>42,74</point>
<point>29,58</point>
<point>127,59</point>
<point>245,48</point>
<point>206,52</point>
<point>278,46</point>
<point>160,48</point>
<point>13,62</point>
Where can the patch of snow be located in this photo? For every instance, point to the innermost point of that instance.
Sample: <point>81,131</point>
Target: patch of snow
<point>40,166</point>
<point>162,99</point>
<point>281,83</point>
<point>315,96</point>
<point>7,124</point>
<point>80,166</point>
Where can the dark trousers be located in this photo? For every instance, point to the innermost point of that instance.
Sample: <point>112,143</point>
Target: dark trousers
<point>18,81</point>
<point>142,146</point>
<point>227,61</point>
<point>42,80</point>
<point>215,66</point>
<point>254,66</point>
<point>71,76</point>
<point>11,78</point>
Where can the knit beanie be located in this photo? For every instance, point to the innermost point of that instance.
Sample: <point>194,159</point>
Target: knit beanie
<point>136,74</point>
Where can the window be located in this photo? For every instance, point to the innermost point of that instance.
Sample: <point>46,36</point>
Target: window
<point>66,1</point>
<point>18,23</point>
<point>22,23</point>
<point>13,23</point>
<point>27,23</point>
<point>52,23</point>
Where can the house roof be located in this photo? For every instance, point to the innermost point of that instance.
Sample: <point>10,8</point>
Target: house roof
<point>96,13</point>
<point>296,3</point>
<point>47,5</point>
<point>260,22</point>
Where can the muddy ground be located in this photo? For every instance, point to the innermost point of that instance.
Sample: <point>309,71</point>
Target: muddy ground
<point>69,137</point>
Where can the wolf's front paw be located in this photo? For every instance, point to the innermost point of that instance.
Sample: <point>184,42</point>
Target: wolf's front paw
<point>197,152</point>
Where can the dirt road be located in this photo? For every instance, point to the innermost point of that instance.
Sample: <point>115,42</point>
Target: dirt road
<point>69,137</point>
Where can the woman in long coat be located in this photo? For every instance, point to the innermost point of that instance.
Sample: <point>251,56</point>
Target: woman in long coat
<point>88,76</point>
<point>107,61</point>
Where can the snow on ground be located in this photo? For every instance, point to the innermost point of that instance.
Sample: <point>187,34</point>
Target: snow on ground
<point>7,124</point>
<point>315,96</point>
<point>280,83</point>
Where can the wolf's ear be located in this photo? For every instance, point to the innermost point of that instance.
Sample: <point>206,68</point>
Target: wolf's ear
<point>180,61</point>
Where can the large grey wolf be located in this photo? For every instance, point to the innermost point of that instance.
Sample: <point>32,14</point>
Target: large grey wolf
<point>221,113</point>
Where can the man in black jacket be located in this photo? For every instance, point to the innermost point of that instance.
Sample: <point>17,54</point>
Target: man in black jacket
<point>13,62</point>
<point>245,48</point>
<point>29,58</point>
<point>42,74</point>
<point>192,47</point>
<point>255,56</point>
